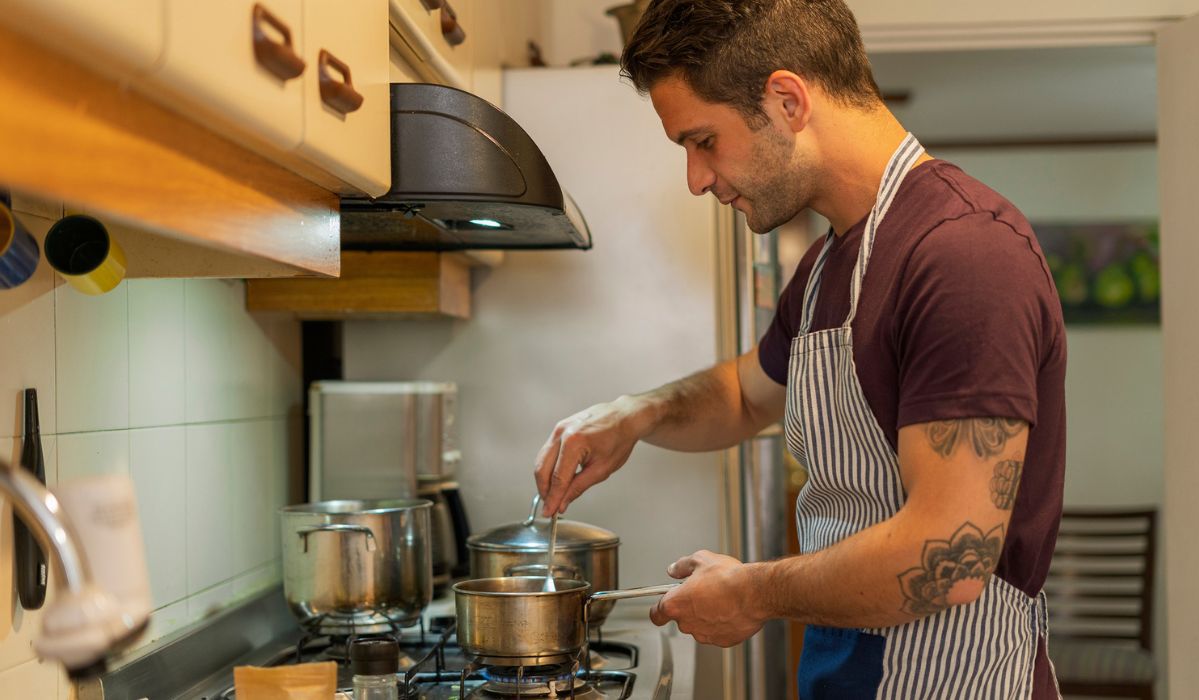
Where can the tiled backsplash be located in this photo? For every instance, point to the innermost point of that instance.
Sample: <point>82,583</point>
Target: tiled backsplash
<point>174,383</point>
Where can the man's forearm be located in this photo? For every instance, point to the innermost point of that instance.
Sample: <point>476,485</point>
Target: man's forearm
<point>894,572</point>
<point>702,412</point>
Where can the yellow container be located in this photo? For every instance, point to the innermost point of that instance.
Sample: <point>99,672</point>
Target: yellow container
<point>80,249</point>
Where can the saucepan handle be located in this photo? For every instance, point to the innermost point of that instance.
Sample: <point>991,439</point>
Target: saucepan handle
<point>642,592</point>
<point>339,528</point>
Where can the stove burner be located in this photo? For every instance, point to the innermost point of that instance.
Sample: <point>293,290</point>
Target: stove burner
<point>532,681</point>
<point>336,646</point>
<point>580,691</point>
<point>527,675</point>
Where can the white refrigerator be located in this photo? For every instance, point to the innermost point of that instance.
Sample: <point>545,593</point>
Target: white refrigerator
<point>668,288</point>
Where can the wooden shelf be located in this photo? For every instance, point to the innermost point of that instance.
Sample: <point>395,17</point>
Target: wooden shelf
<point>68,134</point>
<point>381,283</point>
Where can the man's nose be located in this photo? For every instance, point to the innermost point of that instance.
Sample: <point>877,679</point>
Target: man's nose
<point>700,178</point>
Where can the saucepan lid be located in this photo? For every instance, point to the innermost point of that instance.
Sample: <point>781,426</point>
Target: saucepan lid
<point>533,535</point>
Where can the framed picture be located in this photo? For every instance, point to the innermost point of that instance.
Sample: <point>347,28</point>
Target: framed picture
<point>1106,273</point>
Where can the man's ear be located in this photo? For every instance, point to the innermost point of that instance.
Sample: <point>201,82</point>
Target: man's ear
<point>787,99</point>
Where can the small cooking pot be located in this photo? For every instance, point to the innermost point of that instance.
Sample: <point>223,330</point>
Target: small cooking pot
<point>582,552</point>
<point>511,621</point>
<point>357,567</point>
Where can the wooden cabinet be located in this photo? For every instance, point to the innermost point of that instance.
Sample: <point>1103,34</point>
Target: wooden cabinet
<point>381,283</point>
<point>207,206</point>
<point>239,64</point>
<point>347,111</point>
<point>119,38</point>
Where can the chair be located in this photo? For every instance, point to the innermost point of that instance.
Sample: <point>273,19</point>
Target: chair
<point>1100,591</point>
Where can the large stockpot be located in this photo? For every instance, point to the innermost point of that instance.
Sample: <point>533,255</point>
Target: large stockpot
<point>511,621</point>
<point>353,567</point>
<point>581,551</point>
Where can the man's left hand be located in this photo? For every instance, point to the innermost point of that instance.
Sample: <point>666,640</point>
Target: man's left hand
<point>715,604</point>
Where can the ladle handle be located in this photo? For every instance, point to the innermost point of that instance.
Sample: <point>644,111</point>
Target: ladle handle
<point>642,592</point>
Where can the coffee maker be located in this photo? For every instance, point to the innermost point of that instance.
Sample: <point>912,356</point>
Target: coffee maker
<point>380,440</point>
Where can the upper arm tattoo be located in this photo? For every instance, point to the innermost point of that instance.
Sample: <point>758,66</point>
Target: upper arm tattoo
<point>988,436</point>
<point>1005,483</point>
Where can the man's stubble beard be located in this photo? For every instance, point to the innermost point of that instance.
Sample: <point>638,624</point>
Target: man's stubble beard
<point>780,186</point>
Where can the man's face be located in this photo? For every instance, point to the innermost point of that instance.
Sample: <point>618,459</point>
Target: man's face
<point>758,172</point>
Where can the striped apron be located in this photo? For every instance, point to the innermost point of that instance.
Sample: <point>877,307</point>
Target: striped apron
<point>982,650</point>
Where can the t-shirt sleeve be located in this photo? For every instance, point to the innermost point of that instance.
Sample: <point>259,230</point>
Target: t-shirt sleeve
<point>971,323</point>
<point>774,350</point>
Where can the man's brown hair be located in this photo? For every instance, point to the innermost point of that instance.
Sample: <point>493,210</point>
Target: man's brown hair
<point>725,49</point>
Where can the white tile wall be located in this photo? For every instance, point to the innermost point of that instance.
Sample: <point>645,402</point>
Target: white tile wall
<point>218,329</point>
<point>92,359</point>
<point>173,383</point>
<point>210,495</point>
<point>250,513</point>
<point>156,355</point>
<point>89,454</point>
<point>159,467</point>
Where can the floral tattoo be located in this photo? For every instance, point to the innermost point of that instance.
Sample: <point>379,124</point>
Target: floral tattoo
<point>987,436</point>
<point>968,558</point>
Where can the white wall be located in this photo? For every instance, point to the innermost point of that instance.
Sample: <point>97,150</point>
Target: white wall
<point>172,382</point>
<point>553,332</point>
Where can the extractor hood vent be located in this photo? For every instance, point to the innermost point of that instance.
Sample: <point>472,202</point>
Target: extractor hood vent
<point>463,175</point>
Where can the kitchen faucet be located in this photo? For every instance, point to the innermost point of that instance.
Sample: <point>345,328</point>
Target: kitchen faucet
<point>98,608</point>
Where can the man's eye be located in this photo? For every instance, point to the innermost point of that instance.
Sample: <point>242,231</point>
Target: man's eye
<point>706,144</point>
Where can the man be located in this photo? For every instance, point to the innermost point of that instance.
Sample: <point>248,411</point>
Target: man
<point>917,359</point>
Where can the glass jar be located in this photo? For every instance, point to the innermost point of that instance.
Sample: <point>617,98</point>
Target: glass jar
<point>375,663</point>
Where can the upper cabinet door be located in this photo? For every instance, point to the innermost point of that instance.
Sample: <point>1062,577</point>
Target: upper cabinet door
<point>448,31</point>
<point>241,62</point>
<point>347,128</point>
<point>120,38</point>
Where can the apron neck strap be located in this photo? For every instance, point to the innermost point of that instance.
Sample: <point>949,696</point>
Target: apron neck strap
<point>898,167</point>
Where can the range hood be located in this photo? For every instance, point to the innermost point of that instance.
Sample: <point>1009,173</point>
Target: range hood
<point>463,175</point>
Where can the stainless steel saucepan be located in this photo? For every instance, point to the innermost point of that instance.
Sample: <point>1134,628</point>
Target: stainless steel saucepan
<point>511,621</point>
<point>583,552</point>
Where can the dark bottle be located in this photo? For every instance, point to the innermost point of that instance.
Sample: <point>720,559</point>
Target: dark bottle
<point>30,559</point>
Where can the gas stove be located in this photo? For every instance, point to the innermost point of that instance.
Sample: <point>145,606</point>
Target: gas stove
<point>627,660</point>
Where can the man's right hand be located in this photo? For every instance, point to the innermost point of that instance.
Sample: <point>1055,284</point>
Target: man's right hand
<point>587,448</point>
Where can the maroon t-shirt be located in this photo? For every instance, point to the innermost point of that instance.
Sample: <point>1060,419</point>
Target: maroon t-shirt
<point>958,318</point>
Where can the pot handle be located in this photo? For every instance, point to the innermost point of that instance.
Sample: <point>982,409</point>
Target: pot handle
<point>339,528</point>
<point>533,511</point>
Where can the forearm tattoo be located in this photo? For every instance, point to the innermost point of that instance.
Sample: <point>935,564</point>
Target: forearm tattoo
<point>987,436</point>
<point>968,556</point>
<point>1005,482</point>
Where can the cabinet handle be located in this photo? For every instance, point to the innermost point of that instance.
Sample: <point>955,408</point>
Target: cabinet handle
<point>451,31</point>
<point>338,94</point>
<point>277,57</point>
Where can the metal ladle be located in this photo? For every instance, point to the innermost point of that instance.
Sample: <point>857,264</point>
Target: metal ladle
<point>549,557</point>
<point>548,586</point>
